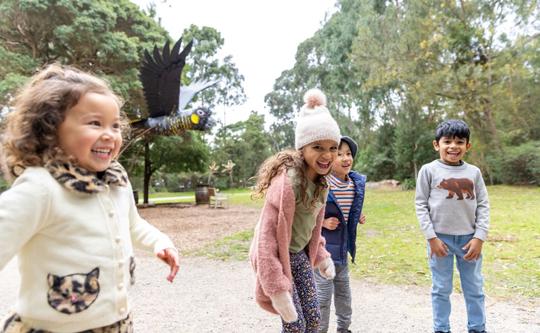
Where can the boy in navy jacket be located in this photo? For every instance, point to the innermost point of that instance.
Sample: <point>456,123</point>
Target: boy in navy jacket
<point>342,214</point>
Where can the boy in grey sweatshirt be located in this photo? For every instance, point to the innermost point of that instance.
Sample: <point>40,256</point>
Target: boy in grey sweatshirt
<point>453,210</point>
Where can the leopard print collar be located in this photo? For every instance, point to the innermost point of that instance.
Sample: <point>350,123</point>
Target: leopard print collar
<point>80,180</point>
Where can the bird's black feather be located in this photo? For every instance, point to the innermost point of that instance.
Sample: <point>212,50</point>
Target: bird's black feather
<point>160,76</point>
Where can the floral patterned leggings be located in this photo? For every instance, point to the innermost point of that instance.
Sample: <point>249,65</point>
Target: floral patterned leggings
<point>13,324</point>
<point>304,296</point>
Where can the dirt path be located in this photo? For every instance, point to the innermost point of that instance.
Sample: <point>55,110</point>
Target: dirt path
<point>190,228</point>
<point>216,296</point>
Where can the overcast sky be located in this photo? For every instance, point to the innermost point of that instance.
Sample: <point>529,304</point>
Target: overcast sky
<point>261,35</point>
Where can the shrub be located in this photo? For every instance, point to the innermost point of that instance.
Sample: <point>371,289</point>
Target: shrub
<point>518,164</point>
<point>408,184</point>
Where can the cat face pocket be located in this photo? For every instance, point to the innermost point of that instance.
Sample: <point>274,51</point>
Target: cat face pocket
<point>73,293</point>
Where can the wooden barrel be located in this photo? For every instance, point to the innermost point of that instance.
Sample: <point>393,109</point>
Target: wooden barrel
<point>201,195</point>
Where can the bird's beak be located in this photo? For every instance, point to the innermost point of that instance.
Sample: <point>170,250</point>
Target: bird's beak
<point>195,119</point>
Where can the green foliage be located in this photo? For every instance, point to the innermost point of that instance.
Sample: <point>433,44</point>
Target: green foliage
<point>408,65</point>
<point>176,182</point>
<point>408,184</point>
<point>206,65</point>
<point>102,37</point>
<point>321,61</point>
<point>108,39</point>
<point>3,184</point>
<point>8,86</point>
<point>448,59</point>
<point>283,101</point>
<point>376,160</point>
<point>14,71</point>
<point>518,164</point>
<point>413,142</point>
<point>169,154</point>
<point>247,144</point>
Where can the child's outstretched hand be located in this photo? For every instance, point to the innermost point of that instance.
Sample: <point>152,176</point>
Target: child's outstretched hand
<point>438,248</point>
<point>170,257</point>
<point>362,219</point>
<point>284,305</point>
<point>331,223</point>
<point>473,248</point>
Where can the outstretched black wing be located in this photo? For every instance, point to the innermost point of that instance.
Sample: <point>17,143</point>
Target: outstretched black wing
<point>160,77</point>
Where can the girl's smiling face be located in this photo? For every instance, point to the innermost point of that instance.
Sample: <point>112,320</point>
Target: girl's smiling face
<point>319,156</point>
<point>91,131</point>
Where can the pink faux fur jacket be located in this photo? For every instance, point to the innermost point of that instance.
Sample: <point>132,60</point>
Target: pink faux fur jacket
<point>269,252</point>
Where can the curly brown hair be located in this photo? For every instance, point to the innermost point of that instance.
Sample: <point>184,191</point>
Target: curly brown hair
<point>283,161</point>
<point>29,136</point>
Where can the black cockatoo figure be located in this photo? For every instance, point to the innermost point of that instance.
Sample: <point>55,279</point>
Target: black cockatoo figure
<point>166,99</point>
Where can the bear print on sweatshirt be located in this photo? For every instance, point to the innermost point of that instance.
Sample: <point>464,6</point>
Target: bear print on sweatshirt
<point>458,187</point>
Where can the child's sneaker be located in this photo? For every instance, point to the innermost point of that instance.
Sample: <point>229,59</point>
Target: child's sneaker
<point>443,332</point>
<point>475,331</point>
<point>343,330</point>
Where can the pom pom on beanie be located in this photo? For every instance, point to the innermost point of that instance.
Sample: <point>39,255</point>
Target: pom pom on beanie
<point>313,98</point>
<point>315,123</point>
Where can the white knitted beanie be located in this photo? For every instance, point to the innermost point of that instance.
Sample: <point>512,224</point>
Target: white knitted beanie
<point>315,122</point>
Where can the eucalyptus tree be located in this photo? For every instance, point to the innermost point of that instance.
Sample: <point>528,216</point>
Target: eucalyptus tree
<point>393,69</point>
<point>324,61</point>
<point>107,38</point>
<point>103,37</point>
<point>206,64</point>
<point>451,59</point>
<point>246,143</point>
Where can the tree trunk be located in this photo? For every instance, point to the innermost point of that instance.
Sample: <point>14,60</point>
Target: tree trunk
<point>147,171</point>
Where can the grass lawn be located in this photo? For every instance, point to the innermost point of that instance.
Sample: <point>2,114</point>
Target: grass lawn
<point>236,197</point>
<point>391,249</point>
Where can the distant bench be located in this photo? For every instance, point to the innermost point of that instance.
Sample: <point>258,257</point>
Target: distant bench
<point>216,199</point>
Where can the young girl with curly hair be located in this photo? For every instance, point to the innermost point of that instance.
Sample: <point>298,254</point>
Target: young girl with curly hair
<point>287,244</point>
<point>70,215</point>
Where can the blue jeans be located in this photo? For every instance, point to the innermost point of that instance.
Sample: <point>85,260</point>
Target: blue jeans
<point>442,269</point>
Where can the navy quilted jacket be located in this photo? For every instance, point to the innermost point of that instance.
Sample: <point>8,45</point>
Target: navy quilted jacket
<point>343,239</point>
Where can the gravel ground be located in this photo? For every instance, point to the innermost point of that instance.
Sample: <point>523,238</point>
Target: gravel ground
<point>216,296</point>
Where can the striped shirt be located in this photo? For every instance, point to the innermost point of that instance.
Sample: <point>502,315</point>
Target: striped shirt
<point>344,192</point>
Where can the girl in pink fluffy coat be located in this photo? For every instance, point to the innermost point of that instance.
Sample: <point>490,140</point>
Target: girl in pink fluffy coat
<point>288,244</point>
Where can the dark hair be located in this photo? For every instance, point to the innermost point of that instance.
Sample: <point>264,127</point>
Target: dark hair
<point>453,128</point>
<point>351,143</point>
